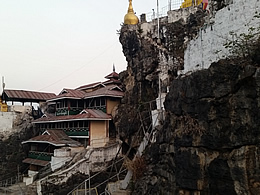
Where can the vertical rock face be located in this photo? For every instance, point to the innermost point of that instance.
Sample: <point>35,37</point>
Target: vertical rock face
<point>144,54</point>
<point>208,143</point>
<point>12,151</point>
<point>140,82</point>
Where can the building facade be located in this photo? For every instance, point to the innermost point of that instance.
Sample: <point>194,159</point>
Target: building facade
<point>80,116</point>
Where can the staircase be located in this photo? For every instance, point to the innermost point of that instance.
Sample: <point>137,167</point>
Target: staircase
<point>120,187</point>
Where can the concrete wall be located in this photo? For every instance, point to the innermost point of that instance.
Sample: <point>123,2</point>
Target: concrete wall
<point>208,46</point>
<point>98,133</point>
<point>173,16</point>
<point>111,104</point>
<point>100,156</point>
<point>61,156</point>
<point>104,154</point>
<point>20,109</point>
<point>14,117</point>
<point>6,121</point>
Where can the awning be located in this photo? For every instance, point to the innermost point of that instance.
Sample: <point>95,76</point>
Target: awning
<point>32,161</point>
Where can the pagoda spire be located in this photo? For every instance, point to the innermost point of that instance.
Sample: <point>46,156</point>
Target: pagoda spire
<point>130,17</point>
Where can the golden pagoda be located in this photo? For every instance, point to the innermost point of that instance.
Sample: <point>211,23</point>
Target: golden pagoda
<point>130,17</point>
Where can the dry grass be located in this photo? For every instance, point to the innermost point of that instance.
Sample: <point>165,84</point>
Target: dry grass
<point>137,166</point>
<point>189,126</point>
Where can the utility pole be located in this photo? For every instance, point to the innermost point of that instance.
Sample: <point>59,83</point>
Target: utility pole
<point>160,90</point>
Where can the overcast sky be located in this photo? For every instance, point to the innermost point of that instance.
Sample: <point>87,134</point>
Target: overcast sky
<point>48,45</point>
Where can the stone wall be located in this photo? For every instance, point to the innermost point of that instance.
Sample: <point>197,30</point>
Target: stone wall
<point>208,47</point>
<point>10,121</point>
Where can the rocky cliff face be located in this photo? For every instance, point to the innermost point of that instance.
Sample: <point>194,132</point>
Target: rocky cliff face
<point>144,55</point>
<point>208,143</point>
<point>12,151</point>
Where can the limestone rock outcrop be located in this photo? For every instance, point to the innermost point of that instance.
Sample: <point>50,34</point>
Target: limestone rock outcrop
<point>209,141</point>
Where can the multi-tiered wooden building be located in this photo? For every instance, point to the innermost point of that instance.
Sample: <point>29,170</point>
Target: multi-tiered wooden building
<point>80,116</point>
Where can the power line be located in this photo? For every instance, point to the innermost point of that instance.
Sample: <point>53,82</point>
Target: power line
<point>71,73</point>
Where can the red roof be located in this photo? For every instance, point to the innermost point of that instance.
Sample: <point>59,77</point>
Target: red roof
<point>89,86</point>
<point>109,90</point>
<point>87,114</point>
<point>54,137</point>
<point>26,95</point>
<point>36,162</point>
<point>69,93</point>
<point>112,80</point>
<point>112,75</point>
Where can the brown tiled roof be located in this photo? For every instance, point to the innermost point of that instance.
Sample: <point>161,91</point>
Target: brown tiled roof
<point>112,75</point>
<point>112,80</point>
<point>89,86</point>
<point>54,137</point>
<point>27,95</point>
<point>91,114</point>
<point>69,93</point>
<point>36,162</point>
<point>109,90</point>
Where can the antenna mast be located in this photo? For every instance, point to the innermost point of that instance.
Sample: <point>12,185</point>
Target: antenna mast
<point>3,82</point>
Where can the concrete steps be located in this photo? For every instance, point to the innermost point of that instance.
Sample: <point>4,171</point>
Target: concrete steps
<point>16,189</point>
<point>114,189</point>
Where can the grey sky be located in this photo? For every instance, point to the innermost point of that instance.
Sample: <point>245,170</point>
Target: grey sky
<point>48,45</point>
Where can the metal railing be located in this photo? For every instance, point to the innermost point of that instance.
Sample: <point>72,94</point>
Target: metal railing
<point>86,184</point>
<point>172,5</point>
<point>11,181</point>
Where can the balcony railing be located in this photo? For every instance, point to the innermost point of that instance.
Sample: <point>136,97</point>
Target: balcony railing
<point>40,155</point>
<point>81,131</point>
<point>68,111</point>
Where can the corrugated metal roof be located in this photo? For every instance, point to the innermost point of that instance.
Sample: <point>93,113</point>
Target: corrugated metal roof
<point>29,95</point>
<point>112,80</point>
<point>109,90</point>
<point>54,137</point>
<point>89,114</point>
<point>89,86</point>
<point>112,75</point>
<point>36,162</point>
<point>69,93</point>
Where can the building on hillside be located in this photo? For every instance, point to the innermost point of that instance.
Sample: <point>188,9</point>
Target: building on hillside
<point>20,105</point>
<point>42,147</point>
<point>22,99</point>
<point>82,114</point>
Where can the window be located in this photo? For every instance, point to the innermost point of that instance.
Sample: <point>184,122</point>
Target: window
<point>103,101</point>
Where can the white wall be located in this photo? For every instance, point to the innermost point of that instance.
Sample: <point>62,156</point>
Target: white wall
<point>6,121</point>
<point>208,46</point>
<point>103,154</point>
<point>9,120</point>
<point>61,156</point>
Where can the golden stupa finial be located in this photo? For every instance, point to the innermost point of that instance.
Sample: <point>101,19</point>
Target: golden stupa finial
<point>130,17</point>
